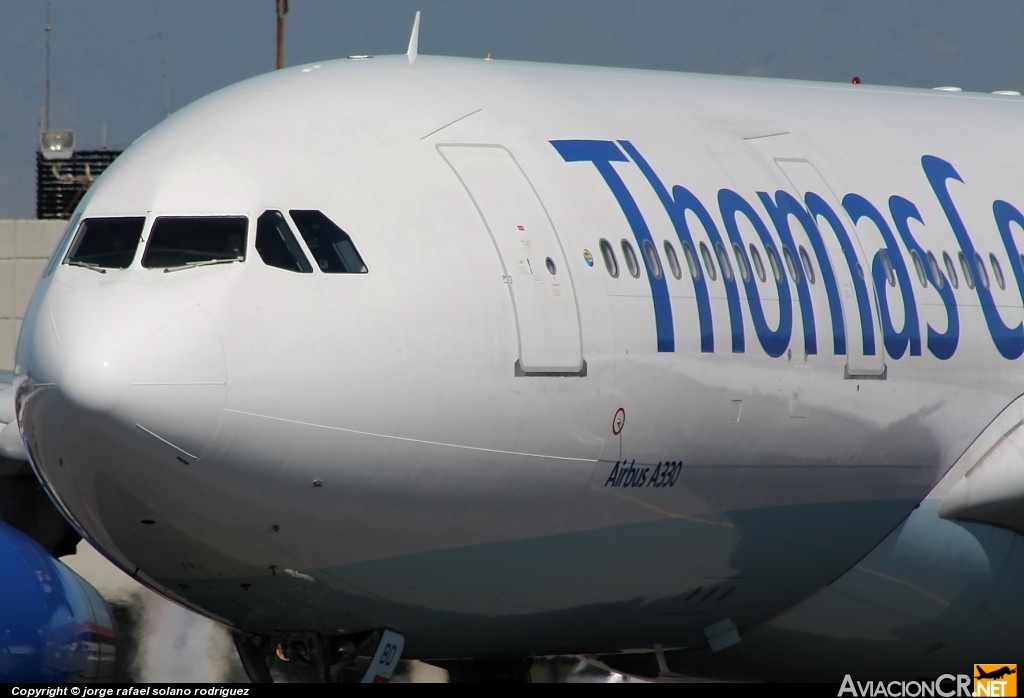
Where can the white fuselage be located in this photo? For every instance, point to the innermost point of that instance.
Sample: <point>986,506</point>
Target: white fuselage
<point>487,441</point>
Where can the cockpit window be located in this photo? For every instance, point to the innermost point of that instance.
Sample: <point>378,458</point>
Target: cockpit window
<point>330,246</point>
<point>277,246</point>
<point>106,243</point>
<point>178,242</point>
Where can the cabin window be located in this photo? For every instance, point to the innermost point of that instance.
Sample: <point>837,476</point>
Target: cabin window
<point>610,262</point>
<point>330,246</point>
<point>755,258</point>
<point>277,246</point>
<point>954,280</point>
<point>673,260</point>
<point>653,261</point>
<point>919,266</point>
<point>933,264</point>
<point>106,243</point>
<point>691,261</point>
<point>177,242</point>
<point>979,264</point>
<point>741,261</point>
<point>631,261</point>
<point>709,262</point>
<point>997,271</point>
<point>775,263</point>
<point>791,264</point>
<point>890,273</point>
<point>968,275</point>
<point>723,260</point>
<point>808,267</point>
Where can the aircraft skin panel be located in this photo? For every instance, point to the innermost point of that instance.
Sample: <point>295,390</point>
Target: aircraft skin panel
<point>546,315</point>
<point>805,178</point>
<point>367,429</point>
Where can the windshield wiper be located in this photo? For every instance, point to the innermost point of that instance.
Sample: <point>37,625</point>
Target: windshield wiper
<point>86,265</point>
<point>203,263</point>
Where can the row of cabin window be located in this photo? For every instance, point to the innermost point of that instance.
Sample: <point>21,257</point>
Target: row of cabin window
<point>754,261</point>
<point>743,262</point>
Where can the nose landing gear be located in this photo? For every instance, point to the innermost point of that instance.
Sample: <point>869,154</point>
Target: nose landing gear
<point>310,657</point>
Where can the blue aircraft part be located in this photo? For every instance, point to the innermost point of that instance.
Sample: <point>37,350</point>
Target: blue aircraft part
<point>54,626</point>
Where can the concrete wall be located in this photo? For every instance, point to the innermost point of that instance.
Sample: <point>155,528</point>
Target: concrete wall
<point>24,248</point>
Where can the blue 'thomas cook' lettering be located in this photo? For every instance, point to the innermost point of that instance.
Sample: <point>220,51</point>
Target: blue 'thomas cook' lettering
<point>1005,215</point>
<point>676,205</point>
<point>773,341</point>
<point>602,154</point>
<point>1009,342</point>
<point>820,209</point>
<point>780,210</point>
<point>810,214</point>
<point>896,341</point>
<point>941,345</point>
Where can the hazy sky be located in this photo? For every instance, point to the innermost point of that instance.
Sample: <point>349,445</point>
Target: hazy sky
<point>117,64</point>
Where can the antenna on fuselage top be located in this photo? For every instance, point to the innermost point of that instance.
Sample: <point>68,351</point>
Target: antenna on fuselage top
<point>414,40</point>
<point>282,10</point>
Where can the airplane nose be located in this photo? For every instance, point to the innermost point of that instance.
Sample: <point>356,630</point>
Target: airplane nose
<point>114,336</point>
<point>124,382</point>
<point>143,356</point>
<point>95,374</point>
